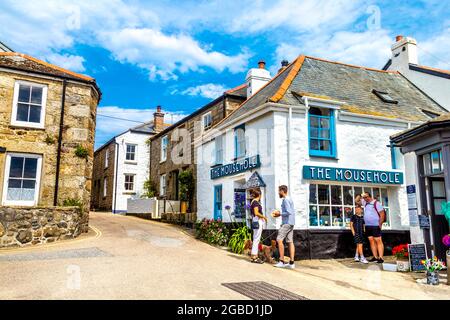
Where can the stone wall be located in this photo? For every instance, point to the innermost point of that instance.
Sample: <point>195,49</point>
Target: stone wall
<point>29,226</point>
<point>100,172</point>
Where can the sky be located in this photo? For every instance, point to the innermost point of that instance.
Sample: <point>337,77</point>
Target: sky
<point>183,54</point>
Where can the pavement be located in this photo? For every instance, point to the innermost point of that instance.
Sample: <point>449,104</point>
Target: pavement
<point>126,257</point>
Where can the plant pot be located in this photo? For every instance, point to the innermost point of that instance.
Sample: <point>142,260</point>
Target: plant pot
<point>433,278</point>
<point>403,265</point>
<point>448,267</point>
<point>183,206</point>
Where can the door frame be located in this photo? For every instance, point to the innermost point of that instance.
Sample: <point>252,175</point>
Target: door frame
<point>217,212</point>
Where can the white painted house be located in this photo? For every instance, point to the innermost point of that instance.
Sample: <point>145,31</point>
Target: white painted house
<point>322,128</point>
<point>405,59</point>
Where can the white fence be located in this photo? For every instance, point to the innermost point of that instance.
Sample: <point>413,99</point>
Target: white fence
<point>152,206</point>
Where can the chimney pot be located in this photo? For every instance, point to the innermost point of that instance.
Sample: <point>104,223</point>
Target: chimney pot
<point>284,63</point>
<point>398,38</point>
<point>262,64</point>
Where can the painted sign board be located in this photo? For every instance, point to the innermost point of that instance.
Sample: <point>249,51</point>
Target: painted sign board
<point>236,167</point>
<point>352,175</point>
<point>424,222</point>
<point>413,218</point>
<point>412,196</point>
<point>417,253</point>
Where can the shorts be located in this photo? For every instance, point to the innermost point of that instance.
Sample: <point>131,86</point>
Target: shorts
<point>373,231</point>
<point>358,237</point>
<point>286,232</point>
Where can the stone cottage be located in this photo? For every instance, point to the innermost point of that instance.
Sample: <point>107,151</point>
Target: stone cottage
<point>47,126</point>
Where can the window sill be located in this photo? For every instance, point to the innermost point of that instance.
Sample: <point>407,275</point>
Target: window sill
<point>131,162</point>
<point>26,126</point>
<point>162,161</point>
<point>129,192</point>
<point>323,156</point>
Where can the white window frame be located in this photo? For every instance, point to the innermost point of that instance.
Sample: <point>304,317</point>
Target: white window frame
<point>162,185</point>
<point>133,183</point>
<point>219,149</point>
<point>206,116</point>
<point>25,124</point>
<point>106,158</point>
<point>164,147</point>
<point>105,187</point>
<point>135,152</point>
<point>6,178</point>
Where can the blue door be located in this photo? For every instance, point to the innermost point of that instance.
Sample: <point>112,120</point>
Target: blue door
<point>218,202</point>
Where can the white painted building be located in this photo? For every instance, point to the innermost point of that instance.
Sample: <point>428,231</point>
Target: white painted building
<point>322,128</point>
<point>405,59</point>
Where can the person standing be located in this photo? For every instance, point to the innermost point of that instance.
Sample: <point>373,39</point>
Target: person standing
<point>357,227</point>
<point>258,220</point>
<point>286,231</point>
<point>374,217</point>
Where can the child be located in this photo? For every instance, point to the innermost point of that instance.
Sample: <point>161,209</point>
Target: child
<point>357,227</point>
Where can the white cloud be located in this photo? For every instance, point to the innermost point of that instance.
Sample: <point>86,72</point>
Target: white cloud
<point>370,48</point>
<point>70,62</point>
<point>435,51</point>
<point>107,128</point>
<point>209,90</point>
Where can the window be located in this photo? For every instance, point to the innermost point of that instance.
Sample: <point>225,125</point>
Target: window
<point>432,162</point>
<point>217,202</point>
<point>384,96</point>
<point>219,149</point>
<point>23,179</point>
<point>129,182</point>
<point>207,121</point>
<point>105,187</point>
<point>106,158</point>
<point>322,138</point>
<point>334,205</point>
<point>29,105</point>
<point>130,152</point>
<point>164,145</point>
<point>162,185</point>
<point>239,142</point>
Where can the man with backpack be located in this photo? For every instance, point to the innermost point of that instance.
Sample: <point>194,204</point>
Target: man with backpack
<point>374,217</point>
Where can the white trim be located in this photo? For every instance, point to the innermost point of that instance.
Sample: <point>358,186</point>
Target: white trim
<point>106,164</point>
<point>369,119</point>
<point>322,103</point>
<point>6,177</point>
<point>125,182</point>
<point>25,124</point>
<point>204,129</point>
<point>135,161</point>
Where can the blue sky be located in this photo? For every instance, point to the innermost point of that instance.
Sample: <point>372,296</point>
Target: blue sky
<point>182,54</point>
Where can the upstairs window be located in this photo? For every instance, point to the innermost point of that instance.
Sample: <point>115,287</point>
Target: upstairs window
<point>322,137</point>
<point>207,121</point>
<point>239,142</point>
<point>384,96</point>
<point>164,145</point>
<point>106,158</point>
<point>131,152</point>
<point>219,149</point>
<point>162,185</point>
<point>29,105</point>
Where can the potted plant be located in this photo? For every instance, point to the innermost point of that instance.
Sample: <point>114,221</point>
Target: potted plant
<point>187,185</point>
<point>446,242</point>
<point>402,257</point>
<point>433,266</point>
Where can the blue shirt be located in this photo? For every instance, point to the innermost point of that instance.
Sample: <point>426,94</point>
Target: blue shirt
<point>287,212</point>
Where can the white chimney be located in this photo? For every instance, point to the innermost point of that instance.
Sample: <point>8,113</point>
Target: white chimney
<point>256,78</point>
<point>404,52</point>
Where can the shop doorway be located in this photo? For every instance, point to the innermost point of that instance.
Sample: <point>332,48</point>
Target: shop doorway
<point>438,222</point>
<point>218,202</point>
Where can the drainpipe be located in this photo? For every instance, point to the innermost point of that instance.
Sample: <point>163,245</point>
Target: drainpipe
<point>289,145</point>
<point>60,137</point>
<point>116,169</point>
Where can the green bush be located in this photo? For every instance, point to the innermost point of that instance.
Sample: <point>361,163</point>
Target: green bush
<point>237,240</point>
<point>149,189</point>
<point>187,185</point>
<point>212,231</point>
<point>72,202</point>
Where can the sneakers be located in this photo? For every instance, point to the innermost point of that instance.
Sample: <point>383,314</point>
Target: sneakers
<point>290,266</point>
<point>380,260</point>
<point>356,259</point>
<point>373,259</point>
<point>280,264</point>
<point>364,260</point>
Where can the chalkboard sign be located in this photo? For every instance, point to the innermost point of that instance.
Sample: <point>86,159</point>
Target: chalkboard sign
<point>417,253</point>
<point>424,222</point>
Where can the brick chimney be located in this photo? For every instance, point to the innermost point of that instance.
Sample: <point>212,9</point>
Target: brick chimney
<point>158,119</point>
<point>404,52</point>
<point>256,78</point>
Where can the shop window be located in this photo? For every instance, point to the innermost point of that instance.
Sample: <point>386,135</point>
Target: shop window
<point>22,183</point>
<point>322,137</point>
<point>29,105</point>
<point>130,152</point>
<point>239,142</point>
<point>432,162</point>
<point>334,205</point>
<point>239,203</point>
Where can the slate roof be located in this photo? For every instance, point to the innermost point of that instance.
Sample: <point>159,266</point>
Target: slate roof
<point>23,62</point>
<point>438,122</point>
<point>350,84</point>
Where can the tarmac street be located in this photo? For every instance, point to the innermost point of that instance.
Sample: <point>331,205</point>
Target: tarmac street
<point>130,258</point>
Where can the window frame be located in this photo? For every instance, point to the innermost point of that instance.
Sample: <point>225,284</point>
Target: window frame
<point>105,187</point>
<point>164,148</point>
<point>106,158</point>
<point>219,150</point>
<point>238,154</point>
<point>332,131</point>
<point>135,152</point>
<point>25,124</point>
<point>209,126</point>
<point>133,183</point>
<point>35,201</point>
<point>387,225</point>
<point>163,184</point>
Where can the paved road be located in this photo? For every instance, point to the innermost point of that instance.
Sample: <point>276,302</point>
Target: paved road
<point>130,258</point>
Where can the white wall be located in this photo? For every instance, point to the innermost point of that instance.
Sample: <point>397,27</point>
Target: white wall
<point>360,146</point>
<point>140,168</point>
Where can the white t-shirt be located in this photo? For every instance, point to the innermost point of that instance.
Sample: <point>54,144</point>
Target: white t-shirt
<point>371,216</point>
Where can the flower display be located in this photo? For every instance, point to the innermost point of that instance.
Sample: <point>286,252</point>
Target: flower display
<point>401,251</point>
<point>433,265</point>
